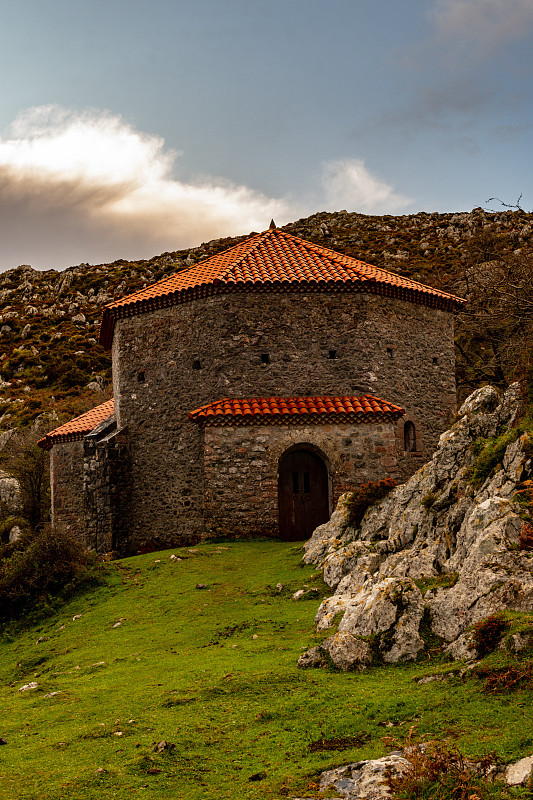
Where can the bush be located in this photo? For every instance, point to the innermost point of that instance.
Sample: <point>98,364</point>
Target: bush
<point>438,770</point>
<point>28,463</point>
<point>365,496</point>
<point>38,566</point>
<point>526,536</point>
<point>490,453</point>
<point>488,633</point>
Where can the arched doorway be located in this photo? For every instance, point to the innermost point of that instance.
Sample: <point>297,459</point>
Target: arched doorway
<point>302,494</point>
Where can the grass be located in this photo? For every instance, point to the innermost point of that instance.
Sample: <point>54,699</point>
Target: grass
<point>212,672</point>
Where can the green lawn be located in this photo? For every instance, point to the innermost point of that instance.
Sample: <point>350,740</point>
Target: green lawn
<point>213,673</point>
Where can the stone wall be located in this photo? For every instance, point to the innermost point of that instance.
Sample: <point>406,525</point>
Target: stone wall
<point>171,361</point>
<point>106,487</point>
<point>66,486</point>
<point>241,468</point>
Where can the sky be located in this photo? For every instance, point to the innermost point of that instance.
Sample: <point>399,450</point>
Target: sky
<point>133,127</point>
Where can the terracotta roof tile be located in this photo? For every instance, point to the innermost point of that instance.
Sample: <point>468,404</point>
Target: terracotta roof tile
<point>272,261</point>
<point>296,410</point>
<point>79,427</point>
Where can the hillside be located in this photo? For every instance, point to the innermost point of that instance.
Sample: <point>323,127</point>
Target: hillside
<point>151,687</point>
<point>51,359</point>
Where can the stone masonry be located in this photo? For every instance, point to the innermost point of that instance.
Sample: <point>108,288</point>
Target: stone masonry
<point>241,466</point>
<point>273,317</point>
<point>169,362</point>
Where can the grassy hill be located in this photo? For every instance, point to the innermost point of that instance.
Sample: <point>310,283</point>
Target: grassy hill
<point>51,361</point>
<point>209,675</point>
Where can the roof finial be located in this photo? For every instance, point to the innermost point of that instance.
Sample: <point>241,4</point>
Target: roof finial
<point>272,225</point>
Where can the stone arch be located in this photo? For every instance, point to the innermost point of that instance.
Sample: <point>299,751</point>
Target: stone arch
<point>304,491</point>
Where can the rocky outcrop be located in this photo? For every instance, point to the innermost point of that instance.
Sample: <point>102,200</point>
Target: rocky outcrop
<point>446,544</point>
<point>371,779</point>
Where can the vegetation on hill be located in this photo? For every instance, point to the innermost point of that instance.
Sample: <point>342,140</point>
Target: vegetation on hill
<point>51,360</point>
<point>149,686</point>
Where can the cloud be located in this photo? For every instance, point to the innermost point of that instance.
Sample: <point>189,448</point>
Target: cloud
<point>86,186</point>
<point>485,24</point>
<point>89,187</point>
<point>348,184</point>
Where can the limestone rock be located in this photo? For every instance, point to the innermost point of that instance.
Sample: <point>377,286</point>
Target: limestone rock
<point>9,493</point>
<point>434,527</point>
<point>347,652</point>
<point>328,536</point>
<point>519,773</point>
<point>365,780</point>
<point>14,534</point>
<point>314,657</point>
<point>462,649</point>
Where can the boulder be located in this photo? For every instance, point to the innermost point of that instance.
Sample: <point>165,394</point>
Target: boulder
<point>347,652</point>
<point>520,772</point>
<point>14,534</point>
<point>365,780</point>
<point>314,657</point>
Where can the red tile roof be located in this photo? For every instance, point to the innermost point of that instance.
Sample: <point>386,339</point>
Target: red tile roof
<point>272,261</point>
<point>296,410</point>
<point>79,427</point>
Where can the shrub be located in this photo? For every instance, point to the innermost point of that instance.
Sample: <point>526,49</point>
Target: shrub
<point>439,770</point>
<point>526,536</point>
<point>490,453</point>
<point>488,633</point>
<point>365,496</point>
<point>38,566</point>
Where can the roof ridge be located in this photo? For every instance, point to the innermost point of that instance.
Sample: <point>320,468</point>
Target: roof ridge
<point>278,261</point>
<point>336,256</point>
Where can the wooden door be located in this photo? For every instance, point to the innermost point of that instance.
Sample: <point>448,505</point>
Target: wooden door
<point>302,495</point>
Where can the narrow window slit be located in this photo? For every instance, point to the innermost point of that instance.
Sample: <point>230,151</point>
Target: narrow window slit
<point>332,354</point>
<point>409,437</point>
<point>265,358</point>
<point>196,364</point>
<point>141,377</point>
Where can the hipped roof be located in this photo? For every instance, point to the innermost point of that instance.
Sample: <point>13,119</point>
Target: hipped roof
<point>79,427</point>
<point>253,410</point>
<point>296,411</point>
<point>272,261</point>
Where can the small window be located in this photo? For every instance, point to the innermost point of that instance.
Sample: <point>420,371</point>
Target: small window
<point>332,354</point>
<point>141,377</point>
<point>435,361</point>
<point>265,358</point>
<point>409,437</point>
<point>390,352</point>
<point>197,364</point>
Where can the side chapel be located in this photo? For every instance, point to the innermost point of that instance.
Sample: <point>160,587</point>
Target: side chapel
<point>250,391</point>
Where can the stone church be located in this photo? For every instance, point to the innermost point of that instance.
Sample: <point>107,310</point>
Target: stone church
<point>250,391</point>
